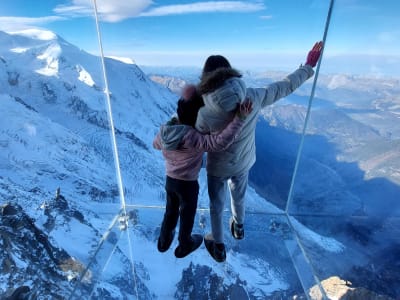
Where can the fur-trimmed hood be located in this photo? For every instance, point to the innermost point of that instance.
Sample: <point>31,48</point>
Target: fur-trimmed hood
<point>215,79</point>
<point>222,91</point>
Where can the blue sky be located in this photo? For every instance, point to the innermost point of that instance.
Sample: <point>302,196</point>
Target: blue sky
<point>250,33</point>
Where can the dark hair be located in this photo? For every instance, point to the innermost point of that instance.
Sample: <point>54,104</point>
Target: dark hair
<point>214,62</point>
<point>188,109</point>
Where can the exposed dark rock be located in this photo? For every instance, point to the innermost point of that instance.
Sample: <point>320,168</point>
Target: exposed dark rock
<point>48,93</point>
<point>20,293</point>
<point>28,257</point>
<point>13,78</point>
<point>200,282</point>
<point>78,215</point>
<point>133,216</point>
<point>59,206</point>
<point>8,209</point>
<point>19,100</point>
<point>382,274</point>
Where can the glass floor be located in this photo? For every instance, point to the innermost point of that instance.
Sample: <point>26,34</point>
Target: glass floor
<point>281,257</point>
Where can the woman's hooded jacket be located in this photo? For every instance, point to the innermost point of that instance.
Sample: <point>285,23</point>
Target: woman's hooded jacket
<point>218,89</point>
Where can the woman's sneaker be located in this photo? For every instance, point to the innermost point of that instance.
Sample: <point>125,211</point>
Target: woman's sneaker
<point>237,230</point>
<point>216,250</point>
<point>183,250</point>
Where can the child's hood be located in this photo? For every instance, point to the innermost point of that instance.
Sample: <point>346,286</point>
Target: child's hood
<point>172,136</point>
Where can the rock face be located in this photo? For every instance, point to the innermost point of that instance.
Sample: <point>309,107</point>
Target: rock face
<point>33,267</point>
<point>199,282</point>
<point>30,266</point>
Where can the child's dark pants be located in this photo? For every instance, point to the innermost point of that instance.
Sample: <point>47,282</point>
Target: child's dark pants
<point>181,202</point>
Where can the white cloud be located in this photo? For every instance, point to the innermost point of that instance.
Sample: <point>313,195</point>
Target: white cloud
<point>108,10</point>
<point>21,23</point>
<point>74,10</point>
<point>201,7</point>
<point>114,11</point>
<point>266,17</point>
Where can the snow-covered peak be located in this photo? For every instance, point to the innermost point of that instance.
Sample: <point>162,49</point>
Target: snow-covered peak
<point>37,34</point>
<point>45,53</point>
<point>125,60</point>
<point>44,45</point>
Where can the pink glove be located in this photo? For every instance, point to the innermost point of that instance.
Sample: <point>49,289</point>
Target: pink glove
<point>314,54</point>
<point>188,91</point>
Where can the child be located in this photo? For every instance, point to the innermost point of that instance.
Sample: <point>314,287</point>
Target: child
<point>183,148</point>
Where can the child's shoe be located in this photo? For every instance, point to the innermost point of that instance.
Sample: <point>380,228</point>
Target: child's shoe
<point>183,250</point>
<point>165,241</point>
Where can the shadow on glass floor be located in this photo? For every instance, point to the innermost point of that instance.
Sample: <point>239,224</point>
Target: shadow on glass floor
<point>280,258</point>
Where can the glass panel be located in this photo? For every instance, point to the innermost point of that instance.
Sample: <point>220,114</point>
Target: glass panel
<point>347,186</point>
<point>351,145</point>
<point>57,170</point>
<point>137,101</point>
<point>158,43</point>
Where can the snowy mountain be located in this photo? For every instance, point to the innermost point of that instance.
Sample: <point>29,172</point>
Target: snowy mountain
<point>60,232</point>
<point>55,134</point>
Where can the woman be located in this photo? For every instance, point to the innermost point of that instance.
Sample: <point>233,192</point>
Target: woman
<point>231,166</point>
